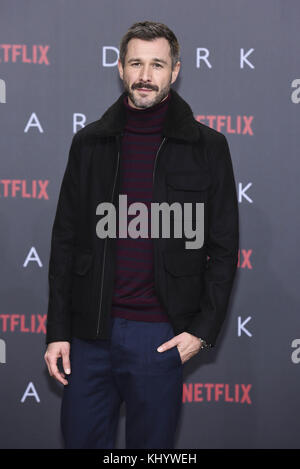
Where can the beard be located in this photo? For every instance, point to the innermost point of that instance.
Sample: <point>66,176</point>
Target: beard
<point>143,103</point>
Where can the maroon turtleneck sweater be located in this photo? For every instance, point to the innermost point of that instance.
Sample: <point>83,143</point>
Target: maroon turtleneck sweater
<point>134,296</point>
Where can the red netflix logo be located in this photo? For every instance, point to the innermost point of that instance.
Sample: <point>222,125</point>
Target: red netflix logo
<point>35,54</point>
<point>36,189</point>
<point>244,261</point>
<point>35,323</point>
<point>240,125</point>
<point>216,392</point>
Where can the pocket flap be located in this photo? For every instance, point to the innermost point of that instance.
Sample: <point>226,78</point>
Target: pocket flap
<point>82,262</point>
<point>188,180</point>
<point>185,262</point>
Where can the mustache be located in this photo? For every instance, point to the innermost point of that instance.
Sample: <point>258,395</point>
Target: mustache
<point>143,85</point>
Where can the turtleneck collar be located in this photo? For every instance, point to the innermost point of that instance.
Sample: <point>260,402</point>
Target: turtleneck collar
<point>145,121</point>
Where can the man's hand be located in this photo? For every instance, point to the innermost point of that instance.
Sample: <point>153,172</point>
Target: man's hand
<point>188,345</point>
<point>53,352</point>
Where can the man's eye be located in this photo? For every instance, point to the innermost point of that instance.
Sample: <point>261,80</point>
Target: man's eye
<point>157,65</point>
<point>136,63</point>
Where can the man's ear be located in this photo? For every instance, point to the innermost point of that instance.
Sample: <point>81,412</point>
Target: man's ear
<point>175,71</point>
<point>120,69</point>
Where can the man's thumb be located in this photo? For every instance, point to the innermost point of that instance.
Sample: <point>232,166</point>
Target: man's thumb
<point>66,363</point>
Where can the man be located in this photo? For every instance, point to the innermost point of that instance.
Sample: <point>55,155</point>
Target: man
<point>114,301</point>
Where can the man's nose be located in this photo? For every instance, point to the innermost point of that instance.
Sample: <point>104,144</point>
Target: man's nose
<point>145,73</point>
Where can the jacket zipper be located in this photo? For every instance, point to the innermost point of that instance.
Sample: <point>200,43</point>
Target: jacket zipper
<point>154,167</point>
<point>156,156</point>
<point>105,242</point>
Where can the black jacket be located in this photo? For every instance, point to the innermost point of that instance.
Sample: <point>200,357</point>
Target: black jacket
<point>193,164</point>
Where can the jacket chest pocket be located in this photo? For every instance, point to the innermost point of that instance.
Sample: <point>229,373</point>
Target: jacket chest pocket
<point>82,281</point>
<point>188,186</point>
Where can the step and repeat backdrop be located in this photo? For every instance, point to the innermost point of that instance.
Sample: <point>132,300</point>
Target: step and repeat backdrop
<point>240,73</point>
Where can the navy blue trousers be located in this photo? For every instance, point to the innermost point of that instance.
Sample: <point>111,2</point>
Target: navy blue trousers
<point>128,368</point>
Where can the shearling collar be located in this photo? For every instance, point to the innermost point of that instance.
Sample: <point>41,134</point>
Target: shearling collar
<point>179,121</point>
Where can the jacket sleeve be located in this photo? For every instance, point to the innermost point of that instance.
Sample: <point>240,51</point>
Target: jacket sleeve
<point>63,240</point>
<point>222,243</point>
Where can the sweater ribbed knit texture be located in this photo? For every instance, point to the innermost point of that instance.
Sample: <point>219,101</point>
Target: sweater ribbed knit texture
<point>134,296</point>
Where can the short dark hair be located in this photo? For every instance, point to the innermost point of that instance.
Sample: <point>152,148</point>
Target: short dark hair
<point>149,30</point>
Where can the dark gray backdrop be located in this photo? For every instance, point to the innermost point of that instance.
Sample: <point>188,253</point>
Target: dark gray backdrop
<point>263,355</point>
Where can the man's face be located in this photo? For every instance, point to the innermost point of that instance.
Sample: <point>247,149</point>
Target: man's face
<point>147,74</point>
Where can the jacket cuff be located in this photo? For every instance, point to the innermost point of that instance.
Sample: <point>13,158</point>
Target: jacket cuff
<point>203,329</point>
<point>57,333</point>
